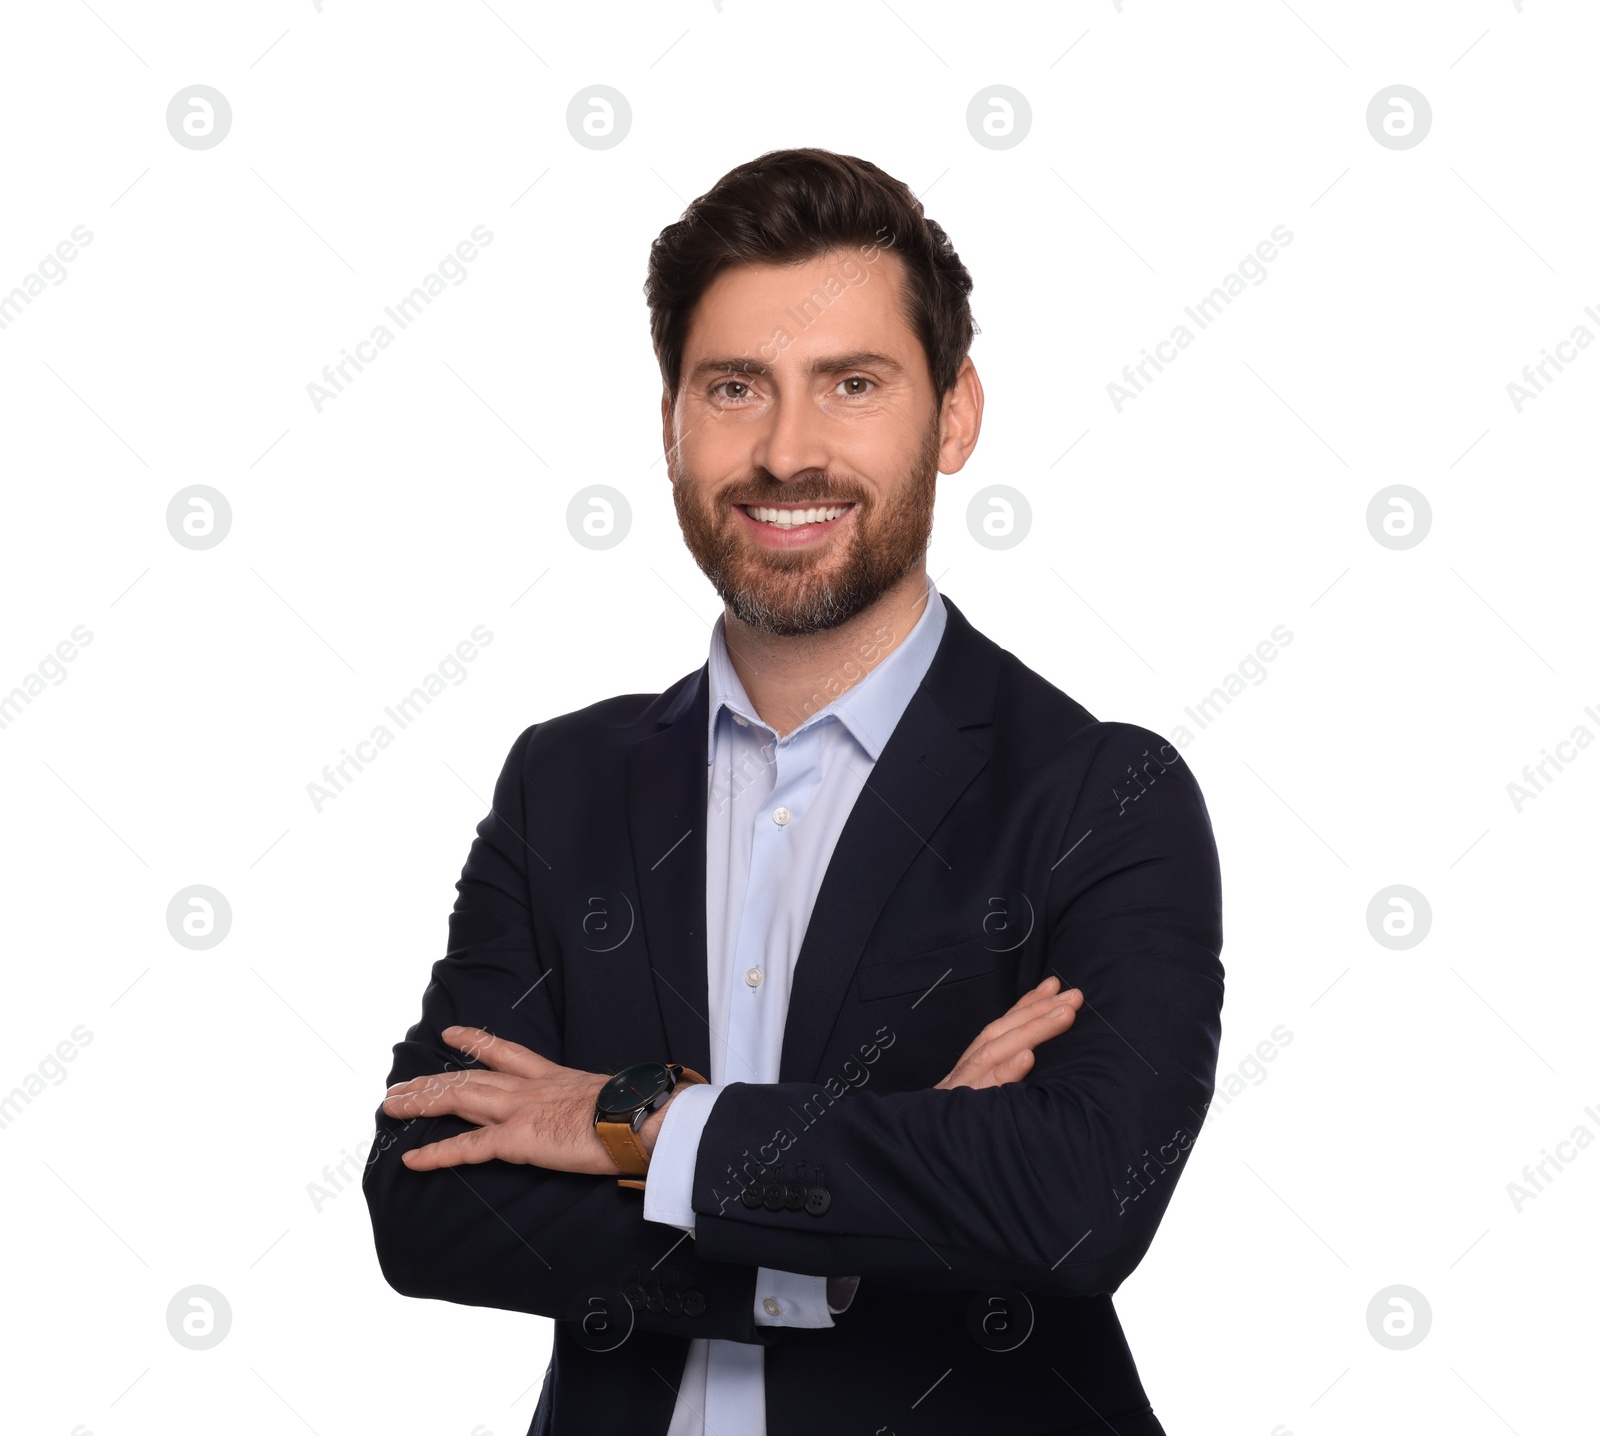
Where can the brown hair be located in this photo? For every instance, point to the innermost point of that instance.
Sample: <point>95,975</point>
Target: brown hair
<point>789,206</point>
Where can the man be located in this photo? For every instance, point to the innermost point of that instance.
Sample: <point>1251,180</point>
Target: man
<point>749,1060</point>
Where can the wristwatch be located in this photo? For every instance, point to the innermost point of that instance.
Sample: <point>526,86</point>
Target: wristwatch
<point>623,1105</point>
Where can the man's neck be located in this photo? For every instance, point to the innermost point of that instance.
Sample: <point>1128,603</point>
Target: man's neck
<point>789,679</point>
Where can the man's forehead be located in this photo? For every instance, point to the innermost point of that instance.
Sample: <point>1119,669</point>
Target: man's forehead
<point>834,302</point>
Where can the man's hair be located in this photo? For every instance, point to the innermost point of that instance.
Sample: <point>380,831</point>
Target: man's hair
<point>790,206</point>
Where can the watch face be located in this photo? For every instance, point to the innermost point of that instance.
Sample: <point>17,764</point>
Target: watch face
<point>631,1088</point>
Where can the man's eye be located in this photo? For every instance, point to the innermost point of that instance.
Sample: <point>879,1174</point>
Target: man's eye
<point>855,379</point>
<point>719,389</point>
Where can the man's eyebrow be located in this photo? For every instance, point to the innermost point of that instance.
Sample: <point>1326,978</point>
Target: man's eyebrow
<point>829,364</point>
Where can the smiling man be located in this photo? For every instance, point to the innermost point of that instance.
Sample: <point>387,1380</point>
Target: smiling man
<point>749,1061</point>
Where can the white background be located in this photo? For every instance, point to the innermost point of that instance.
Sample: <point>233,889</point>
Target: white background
<point>367,540</point>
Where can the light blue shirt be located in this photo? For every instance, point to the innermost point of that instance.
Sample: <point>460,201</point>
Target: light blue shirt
<point>774,810</point>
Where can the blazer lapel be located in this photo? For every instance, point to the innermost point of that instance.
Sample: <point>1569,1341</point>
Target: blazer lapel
<point>667,830</point>
<point>924,767</point>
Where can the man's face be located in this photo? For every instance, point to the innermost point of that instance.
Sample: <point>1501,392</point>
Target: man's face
<point>807,439</point>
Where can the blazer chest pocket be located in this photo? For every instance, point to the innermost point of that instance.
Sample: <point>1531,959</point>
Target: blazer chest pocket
<point>918,973</point>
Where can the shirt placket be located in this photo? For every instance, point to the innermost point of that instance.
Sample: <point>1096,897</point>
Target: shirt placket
<point>772,816</point>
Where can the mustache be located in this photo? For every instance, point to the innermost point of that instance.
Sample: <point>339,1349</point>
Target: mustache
<point>773,493</point>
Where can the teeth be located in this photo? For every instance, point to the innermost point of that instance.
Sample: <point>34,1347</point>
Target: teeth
<point>794,518</point>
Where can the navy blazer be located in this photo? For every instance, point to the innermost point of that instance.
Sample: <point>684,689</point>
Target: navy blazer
<point>1004,834</point>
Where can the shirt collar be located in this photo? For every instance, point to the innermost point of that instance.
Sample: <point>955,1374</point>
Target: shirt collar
<point>869,709</point>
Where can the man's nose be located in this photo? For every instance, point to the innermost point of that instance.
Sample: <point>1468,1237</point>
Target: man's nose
<point>793,440</point>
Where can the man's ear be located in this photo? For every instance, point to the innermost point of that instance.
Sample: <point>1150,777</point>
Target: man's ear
<point>960,419</point>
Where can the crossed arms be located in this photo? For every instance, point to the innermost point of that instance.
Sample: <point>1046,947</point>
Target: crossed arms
<point>1043,1164</point>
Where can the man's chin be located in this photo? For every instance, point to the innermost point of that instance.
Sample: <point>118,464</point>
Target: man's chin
<point>790,610</point>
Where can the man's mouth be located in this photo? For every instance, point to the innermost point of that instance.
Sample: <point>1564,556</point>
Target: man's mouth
<point>794,516</point>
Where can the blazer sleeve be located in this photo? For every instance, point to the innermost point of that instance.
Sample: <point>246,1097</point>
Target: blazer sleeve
<point>1057,1182</point>
<point>522,1238</point>
<point>801,1300</point>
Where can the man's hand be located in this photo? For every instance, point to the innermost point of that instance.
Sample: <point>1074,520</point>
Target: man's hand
<point>528,1109</point>
<point>1003,1051</point>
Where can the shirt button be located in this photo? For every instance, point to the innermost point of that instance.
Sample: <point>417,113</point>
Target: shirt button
<point>781,816</point>
<point>770,1306</point>
<point>753,976</point>
<point>741,721</point>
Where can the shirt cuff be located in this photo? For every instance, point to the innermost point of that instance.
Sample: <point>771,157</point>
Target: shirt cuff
<point>669,1179</point>
<point>791,1298</point>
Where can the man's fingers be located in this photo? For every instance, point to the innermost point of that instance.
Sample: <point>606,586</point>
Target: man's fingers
<point>1049,1021</point>
<point>437,1081</point>
<point>977,1072</point>
<point>452,1152</point>
<point>1003,1051</point>
<point>477,1101</point>
<point>1013,1069</point>
<point>496,1052</point>
<point>1001,1039</point>
<point>1017,1068</point>
<point>1028,1007</point>
<point>1046,991</point>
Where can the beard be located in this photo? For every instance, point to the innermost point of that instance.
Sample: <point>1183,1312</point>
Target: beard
<point>792,592</point>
